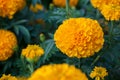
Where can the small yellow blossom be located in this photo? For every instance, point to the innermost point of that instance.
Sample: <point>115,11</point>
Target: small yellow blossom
<point>62,3</point>
<point>8,42</point>
<point>79,37</point>
<point>58,72</point>
<point>99,73</point>
<point>32,52</point>
<point>36,8</point>
<point>9,7</point>
<point>8,77</point>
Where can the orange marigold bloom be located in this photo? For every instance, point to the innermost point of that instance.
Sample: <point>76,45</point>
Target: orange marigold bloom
<point>58,72</point>
<point>79,37</point>
<point>111,12</point>
<point>9,7</point>
<point>99,73</point>
<point>8,42</point>
<point>99,3</point>
<point>36,8</point>
<point>8,77</point>
<point>62,3</point>
<point>32,52</point>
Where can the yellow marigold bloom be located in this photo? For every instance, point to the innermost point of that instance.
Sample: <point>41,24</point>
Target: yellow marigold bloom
<point>111,12</point>
<point>62,3</point>
<point>32,52</point>
<point>79,37</point>
<point>99,73</point>
<point>58,72</point>
<point>99,3</point>
<point>9,7</point>
<point>36,8</point>
<point>8,77</point>
<point>8,42</point>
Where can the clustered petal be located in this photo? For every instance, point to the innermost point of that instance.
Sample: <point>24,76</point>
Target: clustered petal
<point>62,3</point>
<point>99,3</point>
<point>110,9</point>
<point>9,7</point>
<point>99,73</point>
<point>32,52</point>
<point>8,42</point>
<point>111,12</point>
<point>58,72</point>
<point>8,77</point>
<point>79,37</point>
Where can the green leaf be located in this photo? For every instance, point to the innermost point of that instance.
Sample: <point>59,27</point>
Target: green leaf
<point>16,29</point>
<point>18,22</point>
<point>50,44</point>
<point>34,2</point>
<point>25,33</point>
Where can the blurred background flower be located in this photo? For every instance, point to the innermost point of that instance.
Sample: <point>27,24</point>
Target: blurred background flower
<point>58,72</point>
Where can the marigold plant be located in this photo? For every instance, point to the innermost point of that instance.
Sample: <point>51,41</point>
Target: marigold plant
<point>9,7</point>
<point>58,72</point>
<point>8,77</point>
<point>99,73</point>
<point>8,42</point>
<point>79,37</point>
<point>62,3</point>
<point>32,52</point>
<point>36,8</point>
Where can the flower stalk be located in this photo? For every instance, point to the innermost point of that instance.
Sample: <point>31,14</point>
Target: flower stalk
<point>67,8</point>
<point>111,31</point>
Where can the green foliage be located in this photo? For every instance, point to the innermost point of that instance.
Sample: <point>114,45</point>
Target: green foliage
<point>28,30</point>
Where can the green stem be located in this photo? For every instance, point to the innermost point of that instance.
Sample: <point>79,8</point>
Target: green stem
<point>31,67</point>
<point>23,63</point>
<point>67,8</point>
<point>111,32</point>
<point>80,63</point>
<point>97,58</point>
<point>97,14</point>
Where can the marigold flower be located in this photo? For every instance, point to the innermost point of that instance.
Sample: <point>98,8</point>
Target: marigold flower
<point>9,7</point>
<point>62,3</point>
<point>32,52</point>
<point>58,72</point>
<point>8,42</point>
<point>8,77</point>
<point>99,3</point>
<point>36,8</point>
<point>111,12</point>
<point>79,37</point>
<point>99,73</point>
